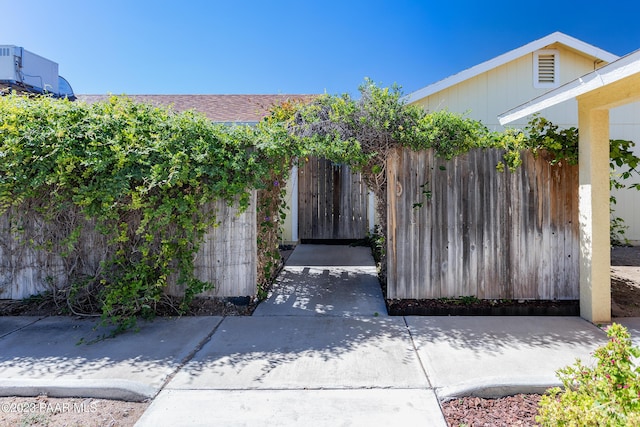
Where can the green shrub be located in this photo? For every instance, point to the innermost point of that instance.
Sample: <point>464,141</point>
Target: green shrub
<point>605,395</point>
<point>144,176</point>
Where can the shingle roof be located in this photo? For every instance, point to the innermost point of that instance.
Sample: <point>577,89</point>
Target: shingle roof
<point>218,108</point>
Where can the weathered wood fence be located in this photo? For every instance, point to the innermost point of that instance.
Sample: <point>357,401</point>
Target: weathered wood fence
<point>462,228</point>
<point>332,201</point>
<point>455,228</point>
<point>227,257</point>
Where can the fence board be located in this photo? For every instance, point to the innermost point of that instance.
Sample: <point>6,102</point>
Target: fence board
<point>494,235</point>
<point>227,256</point>
<point>27,269</point>
<point>332,201</point>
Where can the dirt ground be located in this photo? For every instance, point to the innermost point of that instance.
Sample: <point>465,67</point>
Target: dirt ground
<point>625,281</point>
<point>625,297</point>
<point>54,412</point>
<point>509,411</point>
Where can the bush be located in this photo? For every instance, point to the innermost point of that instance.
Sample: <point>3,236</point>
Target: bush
<point>605,395</point>
<point>142,176</point>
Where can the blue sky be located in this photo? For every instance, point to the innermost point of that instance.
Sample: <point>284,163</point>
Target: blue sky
<point>278,46</point>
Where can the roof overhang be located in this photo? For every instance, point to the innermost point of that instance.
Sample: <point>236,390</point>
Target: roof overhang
<point>556,37</point>
<point>616,71</point>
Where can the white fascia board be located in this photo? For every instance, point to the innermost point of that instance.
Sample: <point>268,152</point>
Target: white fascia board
<point>583,47</point>
<point>556,37</point>
<point>611,73</point>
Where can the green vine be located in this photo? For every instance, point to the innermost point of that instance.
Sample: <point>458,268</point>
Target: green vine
<point>142,175</point>
<point>364,132</point>
<point>277,154</point>
<point>561,145</point>
<point>558,145</point>
<point>146,178</point>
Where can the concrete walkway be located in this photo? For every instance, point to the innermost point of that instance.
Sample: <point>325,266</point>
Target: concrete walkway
<point>319,351</point>
<point>325,280</point>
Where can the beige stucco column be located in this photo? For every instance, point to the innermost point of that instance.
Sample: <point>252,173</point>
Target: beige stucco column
<point>595,252</point>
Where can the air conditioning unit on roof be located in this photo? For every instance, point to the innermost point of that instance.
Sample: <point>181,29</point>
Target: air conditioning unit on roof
<point>21,69</point>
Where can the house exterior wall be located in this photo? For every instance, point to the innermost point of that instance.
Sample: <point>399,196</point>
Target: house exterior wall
<point>493,92</point>
<point>287,233</point>
<point>624,123</point>
<point>489,94</point>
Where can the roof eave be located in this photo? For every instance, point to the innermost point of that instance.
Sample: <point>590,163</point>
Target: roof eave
<point>617,70</point>
<point>556,37</point>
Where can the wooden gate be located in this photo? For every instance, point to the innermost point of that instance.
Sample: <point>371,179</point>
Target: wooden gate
<point>332,202</point>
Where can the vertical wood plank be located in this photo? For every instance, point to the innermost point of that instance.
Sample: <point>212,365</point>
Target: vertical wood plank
<point>333,201</point>
<point>483,233</point>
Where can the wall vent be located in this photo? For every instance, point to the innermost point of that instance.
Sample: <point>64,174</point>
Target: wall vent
<point>545,69</point>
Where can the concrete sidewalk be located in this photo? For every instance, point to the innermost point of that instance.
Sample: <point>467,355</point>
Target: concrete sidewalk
<point>303,358</point>
<point>46,356</point>
<point>326,280</point>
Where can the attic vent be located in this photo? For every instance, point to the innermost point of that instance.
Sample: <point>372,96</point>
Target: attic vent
<point>545,69</point>
<point>5,51</point>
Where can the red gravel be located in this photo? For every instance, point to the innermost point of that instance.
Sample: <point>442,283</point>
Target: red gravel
<point>518,410</point>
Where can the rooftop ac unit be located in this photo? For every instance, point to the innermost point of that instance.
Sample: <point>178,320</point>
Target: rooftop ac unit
<point>23,69</point>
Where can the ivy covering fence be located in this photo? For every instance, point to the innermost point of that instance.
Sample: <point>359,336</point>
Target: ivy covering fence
<point>139,175</point>
<point>144,179</point>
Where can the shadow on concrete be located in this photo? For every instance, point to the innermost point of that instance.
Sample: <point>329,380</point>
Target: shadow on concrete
<point>325,291</point>
<point>281,352</point>
<point>625,256</point>
<point>498,335</point>
<point>331,256</point>
<point>49,351</point>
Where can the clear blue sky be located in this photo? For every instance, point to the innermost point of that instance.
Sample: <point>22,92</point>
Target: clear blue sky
<point>278,46</point>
